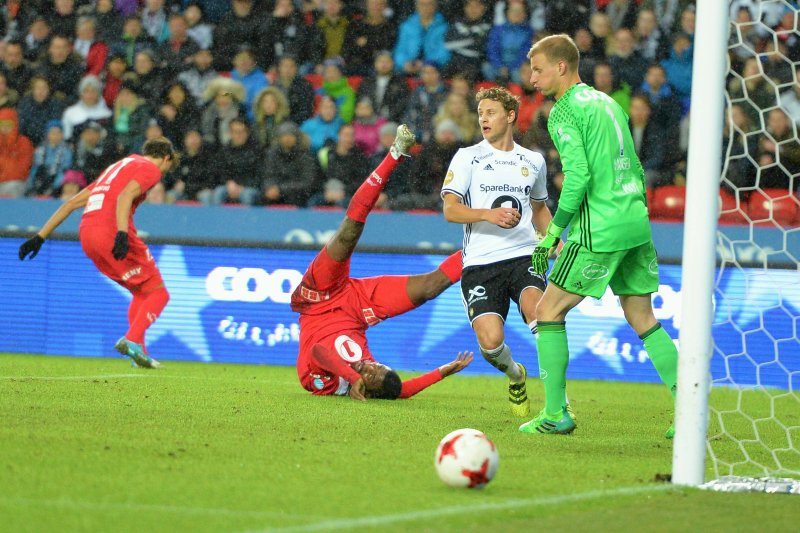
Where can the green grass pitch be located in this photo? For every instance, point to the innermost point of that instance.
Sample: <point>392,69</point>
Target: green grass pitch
<point>94,445</point>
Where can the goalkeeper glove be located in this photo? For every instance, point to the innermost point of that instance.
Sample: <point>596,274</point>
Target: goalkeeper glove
<point>31,246</point>
<point>120,249</point>
<point>545,248</point>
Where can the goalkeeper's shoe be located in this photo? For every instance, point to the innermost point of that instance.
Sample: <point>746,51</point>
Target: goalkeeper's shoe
<point>136,353</point>
<point>542,424</point>
<point>670,433</point>
<point>403,142</point>
<point>571,413</point>
<point>518,395</point>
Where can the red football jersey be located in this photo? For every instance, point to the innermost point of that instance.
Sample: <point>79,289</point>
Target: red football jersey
<point>101,208</point>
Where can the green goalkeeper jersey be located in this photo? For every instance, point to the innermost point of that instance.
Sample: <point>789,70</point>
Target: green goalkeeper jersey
<point>603,197</point>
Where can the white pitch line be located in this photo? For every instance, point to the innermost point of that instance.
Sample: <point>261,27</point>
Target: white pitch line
<point>143,507</point>
<point>159,374</point>
<point>69,378</point>
<point>371,521</point>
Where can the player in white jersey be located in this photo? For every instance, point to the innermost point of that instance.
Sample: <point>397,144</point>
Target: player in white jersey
<point>497,188</point>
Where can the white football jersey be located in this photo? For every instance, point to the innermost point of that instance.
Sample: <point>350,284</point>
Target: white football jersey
<point>485,178</point>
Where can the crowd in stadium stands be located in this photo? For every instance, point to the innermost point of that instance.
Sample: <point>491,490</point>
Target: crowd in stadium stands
<point>291,102</point>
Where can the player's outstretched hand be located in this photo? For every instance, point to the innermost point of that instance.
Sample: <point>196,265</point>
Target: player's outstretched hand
<point>31,246</point>
<point>120,249</point>
<point>357,390</point>
<point>460,363</point>
<point>540,259</point>
<point>505,217</point>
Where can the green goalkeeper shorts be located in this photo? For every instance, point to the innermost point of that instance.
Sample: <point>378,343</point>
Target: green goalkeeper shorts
<point>627,272</point>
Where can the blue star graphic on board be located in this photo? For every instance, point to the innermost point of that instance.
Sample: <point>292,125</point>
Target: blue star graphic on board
<point>763,291</point>
<point>188,297</point>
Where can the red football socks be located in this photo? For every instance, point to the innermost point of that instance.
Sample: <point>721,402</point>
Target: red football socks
<point>365,197</point>
<point>147,307</point>
<point>452,266</point>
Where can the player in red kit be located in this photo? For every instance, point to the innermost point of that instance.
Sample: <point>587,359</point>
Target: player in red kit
<point>336,310</point>
<point>108,237</point>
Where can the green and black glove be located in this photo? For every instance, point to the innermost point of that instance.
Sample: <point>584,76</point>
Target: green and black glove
<point>541,254</point>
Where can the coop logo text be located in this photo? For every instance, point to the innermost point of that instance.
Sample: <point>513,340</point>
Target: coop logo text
<point>231,284</point>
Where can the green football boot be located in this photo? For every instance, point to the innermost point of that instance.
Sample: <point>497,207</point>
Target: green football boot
<point>541,424</point>
<point>518,395</point>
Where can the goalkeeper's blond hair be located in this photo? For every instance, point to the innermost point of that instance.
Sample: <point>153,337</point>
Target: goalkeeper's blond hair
<point>502,95</point>
<point>558,47</point>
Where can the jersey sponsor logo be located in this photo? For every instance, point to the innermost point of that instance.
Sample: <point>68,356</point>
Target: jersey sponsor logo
<point>505,187</point>
<point>370,316</point>
<point>631,188</point>
<point>231,284</point>
<point>542,373</point>
<point>653,266</point>
<point>94,203</point>
<point>527,161</point>
<point>562,136</point>
<point>508,202</point>
<point>505,162</point>
<point>130,273</point>
<point>374,179</point>
<point>450,176</point>
<point>622,163</point>
<point>476,294</point>
<point>319,384</point>
<point>478,158</point>
<point>595,271</point>
<point>525,171</point>
<point>347,348</point>
<point>488,167</point>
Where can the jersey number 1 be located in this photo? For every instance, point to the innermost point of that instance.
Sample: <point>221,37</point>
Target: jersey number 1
<point>619,131</point>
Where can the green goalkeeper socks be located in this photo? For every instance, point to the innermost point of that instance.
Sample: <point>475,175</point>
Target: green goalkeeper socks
<point>664,355</point>
<point>553,358</point>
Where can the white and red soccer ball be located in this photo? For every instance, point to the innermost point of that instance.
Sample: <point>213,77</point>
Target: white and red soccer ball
<point>466,458</point>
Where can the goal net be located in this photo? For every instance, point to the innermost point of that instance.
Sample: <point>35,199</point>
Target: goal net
<point>754,405</point>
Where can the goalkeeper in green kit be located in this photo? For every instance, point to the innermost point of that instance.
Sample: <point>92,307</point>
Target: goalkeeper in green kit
<point>609,242</point>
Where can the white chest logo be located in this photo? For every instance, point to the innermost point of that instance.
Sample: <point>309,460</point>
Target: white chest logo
<point>347,348</point>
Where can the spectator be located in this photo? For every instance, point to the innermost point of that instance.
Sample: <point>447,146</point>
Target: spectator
<point>290,172</point>
<point>508,45</point>
<point>133,40</point>
<point>365,36</point>
<point>566,16</point>
<point>201,32</point>
<point>456,109</point>
<point>298,91</point>
<point>665,105</point>
<point>678,67</point>
<point>158,194</point>
<point>666,12</point>
<point>687,22</point>
<point>112,78</point>
<point>740,149</point>
<point>270,110</point>
<point>461,86</point>
<point>538,139</point>
<point>584,41</point>
<point>36,109</point>
<point>177,113</point>
<point>745,39</point>
<point>333,26</point>
<point>651,143</point>
<point>131,117</point>
<point>239,163</point>
<point>73,182</point>
<point>175,54</point>
<point>107,21</point>
<point>199,75</point>
<point>252,78</point>
<point>93,52</point>
<point>398,185</point>
<point>421,40</point>
<point>344,161</point>
<point>790,100</point>
<point>600,26</point>
<point>324,126</point>
<point>194,177</point>
<point>224,99</point>
<point>90,106</point>
<point>605,81</point>
<point>62,19</point>
<point>430,168</point>
<point>288,34</point>
<point>154,20</point>
<point>651,43</point>
<point>8,96</point>
<point>94,151</point>
<point>14,66</point>
<point>778,67</point>
<point>242,25</point>
<point>62,69</point>
<point>15,18</point>
<point>529,98</point>
<point>366,126</point>
<point>778,144</point>
<point>37,39</point>
<point>388,91</point>
<point>335,85</point>
<point>151,82</point>
<point>466,40</point>
<point>621,13</point>
<point>627,63</point>
<point>50,160</point>
<point>16,155</point>
<point>424,102</point>
<point>752,89</point>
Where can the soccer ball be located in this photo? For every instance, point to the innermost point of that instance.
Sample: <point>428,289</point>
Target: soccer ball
<point>466,458</point>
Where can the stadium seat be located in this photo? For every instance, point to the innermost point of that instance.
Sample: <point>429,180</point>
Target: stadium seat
<point>282,206</point>
<point>193,203</point>
<point>413,83</point>
<point>778,205</point>
<point>422,212</point>
<point>415,150</point>
<point>314,79</point>
<point>731,211</point>
<point>327,208</point>
<point>668,202</point>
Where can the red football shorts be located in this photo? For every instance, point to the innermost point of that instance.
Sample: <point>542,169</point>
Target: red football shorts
<point>137,268</point>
